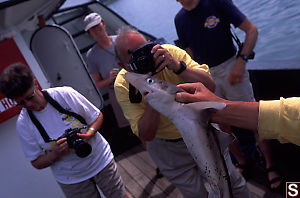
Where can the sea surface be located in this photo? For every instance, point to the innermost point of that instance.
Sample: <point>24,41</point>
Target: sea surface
<point>278,23</point>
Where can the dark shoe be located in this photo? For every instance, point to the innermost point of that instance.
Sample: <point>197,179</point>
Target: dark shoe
<point>281,187</point>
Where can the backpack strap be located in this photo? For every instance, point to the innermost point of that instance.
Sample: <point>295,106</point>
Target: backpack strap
<point>133,96</point>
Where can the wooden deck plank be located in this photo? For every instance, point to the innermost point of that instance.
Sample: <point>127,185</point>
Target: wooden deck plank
<point>143,163</point>
<point>141,152</point>
<point>140,178</point>
<point>133,188</point>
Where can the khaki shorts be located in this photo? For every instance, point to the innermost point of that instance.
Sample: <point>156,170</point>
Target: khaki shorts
<point>240,92</point>
<point>108,180</point>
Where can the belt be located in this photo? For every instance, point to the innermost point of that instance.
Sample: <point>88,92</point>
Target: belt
<point>172,140</point>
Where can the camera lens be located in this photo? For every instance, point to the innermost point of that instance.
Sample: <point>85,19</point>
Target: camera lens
<point>82,149</point>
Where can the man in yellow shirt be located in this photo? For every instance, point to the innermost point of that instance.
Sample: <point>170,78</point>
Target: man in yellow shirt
<point>162,139</point>
<point>278,119</point>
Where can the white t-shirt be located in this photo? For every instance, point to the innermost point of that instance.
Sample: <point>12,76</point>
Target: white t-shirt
<point>70,168</point>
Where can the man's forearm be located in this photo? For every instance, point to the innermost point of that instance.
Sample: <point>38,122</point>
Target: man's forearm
<point>148,124</point>
<point>251,36</point>
<point>98,122</point>
<point>46,160</point>
<point>101,84</point>
<point>238,114</point>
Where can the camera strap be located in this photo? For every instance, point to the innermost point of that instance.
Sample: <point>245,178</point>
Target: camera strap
<point>60,109</point>
<point>134,97</point>
<point>39,126</point>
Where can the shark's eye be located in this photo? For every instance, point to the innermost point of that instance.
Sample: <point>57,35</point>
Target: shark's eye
<point>150,80</point>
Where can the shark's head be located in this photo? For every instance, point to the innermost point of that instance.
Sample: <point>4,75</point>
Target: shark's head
<point>151,87</point>
<point>159,94</point>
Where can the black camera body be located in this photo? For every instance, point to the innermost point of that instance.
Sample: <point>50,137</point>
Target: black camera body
<point>142,59</point>
<point>82,148</point>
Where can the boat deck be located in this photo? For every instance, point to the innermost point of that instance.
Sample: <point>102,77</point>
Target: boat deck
<point>138,172</point>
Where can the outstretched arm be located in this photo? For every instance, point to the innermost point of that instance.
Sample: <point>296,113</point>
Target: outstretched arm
<point>239,114</point>
<point>236,113</point>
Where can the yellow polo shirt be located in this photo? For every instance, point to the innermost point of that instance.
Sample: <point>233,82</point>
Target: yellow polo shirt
<point>133,112</point>
<point>280,119</point>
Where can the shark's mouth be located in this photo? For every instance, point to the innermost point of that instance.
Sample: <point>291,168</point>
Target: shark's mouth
<point>145,93</point>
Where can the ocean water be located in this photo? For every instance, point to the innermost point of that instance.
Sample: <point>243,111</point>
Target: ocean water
<point>278,22</point>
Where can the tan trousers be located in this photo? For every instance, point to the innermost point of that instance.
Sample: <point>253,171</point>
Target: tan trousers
<point>108,180</point>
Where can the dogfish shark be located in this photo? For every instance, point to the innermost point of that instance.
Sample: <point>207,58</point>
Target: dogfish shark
<point>205,143</point>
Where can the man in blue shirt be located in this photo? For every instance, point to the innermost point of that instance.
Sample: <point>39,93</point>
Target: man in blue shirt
<point>203,29</point>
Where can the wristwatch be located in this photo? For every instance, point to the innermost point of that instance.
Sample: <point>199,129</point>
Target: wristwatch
<point>244,57</point>
<point>182,68</point>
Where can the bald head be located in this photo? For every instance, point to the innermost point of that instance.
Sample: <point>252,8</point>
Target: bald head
<point>127,39</point>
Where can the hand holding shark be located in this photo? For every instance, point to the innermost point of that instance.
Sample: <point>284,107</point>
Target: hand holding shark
<point>196,92</point>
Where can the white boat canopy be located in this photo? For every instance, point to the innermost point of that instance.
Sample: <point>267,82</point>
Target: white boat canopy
<point>24,14</point>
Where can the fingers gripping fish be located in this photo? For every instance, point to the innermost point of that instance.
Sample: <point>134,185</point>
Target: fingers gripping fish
<point>191,120</point>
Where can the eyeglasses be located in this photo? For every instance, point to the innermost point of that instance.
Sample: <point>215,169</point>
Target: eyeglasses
<point>28,98</point>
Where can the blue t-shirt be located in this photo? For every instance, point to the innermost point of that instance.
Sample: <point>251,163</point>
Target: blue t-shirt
<point>206,30</point>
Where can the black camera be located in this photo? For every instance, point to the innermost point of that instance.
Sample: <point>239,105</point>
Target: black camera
<point>142,59</point>
<point>82,148</point>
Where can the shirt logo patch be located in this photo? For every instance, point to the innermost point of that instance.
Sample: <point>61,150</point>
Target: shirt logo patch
<point>68,118</point>
<point>211,22</point>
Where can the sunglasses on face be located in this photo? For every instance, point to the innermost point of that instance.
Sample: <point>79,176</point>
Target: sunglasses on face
<point>27,99</point>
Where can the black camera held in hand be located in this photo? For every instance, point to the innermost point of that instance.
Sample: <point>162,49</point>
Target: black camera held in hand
<point>82,148</point>
<point>142,59</point>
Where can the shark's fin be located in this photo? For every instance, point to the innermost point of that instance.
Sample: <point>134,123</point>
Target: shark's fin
<point>225,139</point>
<point>174,89</point>
<point>206,105</point>
<point>191,108</point>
